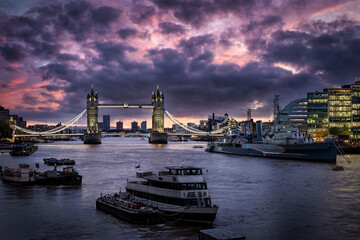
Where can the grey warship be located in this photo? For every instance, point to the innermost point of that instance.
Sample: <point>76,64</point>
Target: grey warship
<point>293,146</point>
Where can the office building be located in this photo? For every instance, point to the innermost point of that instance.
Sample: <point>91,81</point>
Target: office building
<point>317,110</point>
<point>106,123</point>
<point>134,126</point>
<point>336,110</point>
<point>119,125</point>
<point>294,115</point>
<point>4,115</point>
<point>143,125</point>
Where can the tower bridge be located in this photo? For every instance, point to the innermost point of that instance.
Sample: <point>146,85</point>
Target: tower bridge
<point>157,135</point>
<point>93,134</point>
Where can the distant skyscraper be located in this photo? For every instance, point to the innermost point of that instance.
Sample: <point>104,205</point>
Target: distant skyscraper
<point>143,125</point>
<point>101,126</point>
<point>134,126</point>
<point>106,122</point>
<point>119,125</point>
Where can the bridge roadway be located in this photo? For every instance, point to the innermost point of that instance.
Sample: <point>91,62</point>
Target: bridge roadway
<point>125,105</point>
<point>116,134</point>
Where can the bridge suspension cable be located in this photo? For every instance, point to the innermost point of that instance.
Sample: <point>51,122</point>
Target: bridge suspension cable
<point>191,129</point>
<point>54,130</point>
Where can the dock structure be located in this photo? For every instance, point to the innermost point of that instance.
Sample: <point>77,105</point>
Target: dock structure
<point>219,234</point>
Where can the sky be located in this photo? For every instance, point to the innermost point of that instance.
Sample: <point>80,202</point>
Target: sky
<point>207,56</point>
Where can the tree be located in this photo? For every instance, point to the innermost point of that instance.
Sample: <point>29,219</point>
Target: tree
<point>5,130</point>
<point>339,131</point>
<point>320,134</point>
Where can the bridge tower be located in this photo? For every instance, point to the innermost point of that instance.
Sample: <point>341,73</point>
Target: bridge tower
<point>158,135</point>
<point>92,135</point>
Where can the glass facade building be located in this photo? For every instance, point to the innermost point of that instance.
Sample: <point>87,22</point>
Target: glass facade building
<point>335,108</point>
<point>317,111</point>
<point>355,111</point>
<point>339,107</point>
<point>295,114</point>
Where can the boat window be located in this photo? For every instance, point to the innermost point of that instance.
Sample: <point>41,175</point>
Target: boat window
<point>173,172</point>
<point>207,202</point>
<point>183,186</point>
<point>193,172</point>
<point>187,172</point>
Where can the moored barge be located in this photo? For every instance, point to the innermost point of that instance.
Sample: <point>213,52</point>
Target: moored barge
<point>24,149</point>
<point>23,176</point>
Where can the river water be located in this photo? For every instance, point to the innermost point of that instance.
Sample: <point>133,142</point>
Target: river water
<point>257,197</point>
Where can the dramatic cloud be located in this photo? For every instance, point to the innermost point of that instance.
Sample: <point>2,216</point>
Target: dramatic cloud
<point>126,33</point>
<point>171,28</point>
<point>13,53</point>
<point>206,55</point>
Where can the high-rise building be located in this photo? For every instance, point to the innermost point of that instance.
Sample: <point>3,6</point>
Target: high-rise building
<point>339,107</point>
<point>317,111</point>
<point>143,125</point>
<point>134,126</point>
<point>119,125</point>
<point>106,122</point>
<point>355,111</point>
<point>336,108</point>
<point>4,115</point>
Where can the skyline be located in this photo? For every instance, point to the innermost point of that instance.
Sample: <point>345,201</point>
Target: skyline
<point>207,56</point>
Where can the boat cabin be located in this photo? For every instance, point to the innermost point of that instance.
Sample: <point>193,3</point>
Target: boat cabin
<point>184,171</point>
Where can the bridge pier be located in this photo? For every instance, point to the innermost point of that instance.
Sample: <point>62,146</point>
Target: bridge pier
<point>157,135</point>
<point>92,135</point>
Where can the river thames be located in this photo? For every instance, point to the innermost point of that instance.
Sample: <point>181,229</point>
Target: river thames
<point>257,197</point>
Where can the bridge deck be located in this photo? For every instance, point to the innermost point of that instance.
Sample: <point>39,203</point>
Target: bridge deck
<point>125,105</point>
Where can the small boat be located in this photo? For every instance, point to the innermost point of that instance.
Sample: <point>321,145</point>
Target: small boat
<point>68,176</point>
<point>179,194</point>
<point>142,139</point>
<point>338,167</point>
<point>55,161</point>
<point>25,176</point>
<point>24,149</point>
<point>20,176</point>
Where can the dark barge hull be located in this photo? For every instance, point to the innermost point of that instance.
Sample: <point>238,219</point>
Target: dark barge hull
<point>156,217</point>
<point>30,183</point>
<point>318,152</point>
<point>65,180</point>
<point>130,216</point>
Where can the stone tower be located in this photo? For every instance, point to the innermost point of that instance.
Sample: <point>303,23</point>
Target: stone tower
<point>158,111</point>
<point>157,134</point>
<point>92,134</point>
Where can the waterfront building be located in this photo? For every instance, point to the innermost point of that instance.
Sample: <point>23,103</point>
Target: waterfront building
<point>143,125</point>
<point>317,110</point>
<point>4,114</point>
<point>134,126</point>
<point>339,107</point>
<point>217,122</point>
<point>119,125</point>
<point>355,111</point>
<point>106,123</point>
<point>294,114</point>
<point>335,111</point>
<point>203,126</point>
<point>18,121</point>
